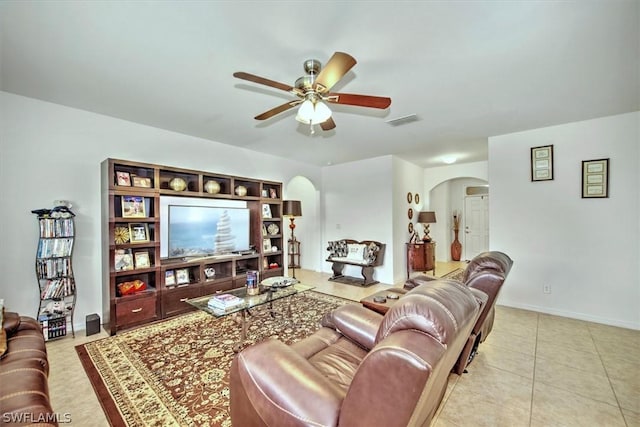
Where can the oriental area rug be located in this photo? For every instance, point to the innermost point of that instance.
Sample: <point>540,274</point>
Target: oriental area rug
<point>176,372</point>
<point>456,274</point>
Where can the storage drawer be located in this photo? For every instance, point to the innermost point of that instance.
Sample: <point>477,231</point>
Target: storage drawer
<point>173,300</point>
<point>212,288</point>
<point>134,310</point>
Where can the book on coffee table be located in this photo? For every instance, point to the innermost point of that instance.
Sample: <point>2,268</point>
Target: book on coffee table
<point>225,301</point>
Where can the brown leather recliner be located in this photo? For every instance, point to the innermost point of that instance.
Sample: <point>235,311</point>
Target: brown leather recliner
<point>487,273</point>
<point>361,368</point>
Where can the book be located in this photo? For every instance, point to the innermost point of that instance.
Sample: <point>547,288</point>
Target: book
<point>225,301</point>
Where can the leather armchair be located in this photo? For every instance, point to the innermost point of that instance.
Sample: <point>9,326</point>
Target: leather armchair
<point>361,368</point>
<point>486,273</point>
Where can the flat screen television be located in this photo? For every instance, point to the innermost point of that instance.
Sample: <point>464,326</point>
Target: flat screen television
<point>193,227</point>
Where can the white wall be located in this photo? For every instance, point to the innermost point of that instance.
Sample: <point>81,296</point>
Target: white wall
<point>357,204</point>
<point>587,250</point>
<point>307,231</point>
<point>51,152</point>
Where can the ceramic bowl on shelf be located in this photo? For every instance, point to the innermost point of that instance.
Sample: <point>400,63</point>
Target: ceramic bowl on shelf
<point>212,187</point>
<point>178,184</point>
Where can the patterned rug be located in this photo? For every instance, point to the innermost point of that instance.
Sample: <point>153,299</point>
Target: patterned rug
<point>176,372</point>
<point>455,274</point>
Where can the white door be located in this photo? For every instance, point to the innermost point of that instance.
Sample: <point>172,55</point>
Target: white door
<point>476,226</point>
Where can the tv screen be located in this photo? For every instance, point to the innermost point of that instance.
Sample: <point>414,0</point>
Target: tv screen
<point>193,230</point>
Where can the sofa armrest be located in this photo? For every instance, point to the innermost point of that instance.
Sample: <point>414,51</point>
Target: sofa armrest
<point>274,385</point>
<point>355,322</point>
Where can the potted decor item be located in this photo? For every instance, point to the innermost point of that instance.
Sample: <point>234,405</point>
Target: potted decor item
<point>456,246</point>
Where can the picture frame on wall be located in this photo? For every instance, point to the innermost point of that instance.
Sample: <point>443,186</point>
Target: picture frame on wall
<point>542,163</point>
<point>595,179</point>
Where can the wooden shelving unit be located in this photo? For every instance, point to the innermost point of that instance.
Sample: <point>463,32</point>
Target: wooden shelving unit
<point>163,294</point>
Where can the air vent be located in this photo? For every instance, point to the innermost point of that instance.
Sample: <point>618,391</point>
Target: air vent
<point>403,120</point>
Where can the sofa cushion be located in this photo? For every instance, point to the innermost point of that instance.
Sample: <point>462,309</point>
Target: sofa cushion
<point>356,252</point>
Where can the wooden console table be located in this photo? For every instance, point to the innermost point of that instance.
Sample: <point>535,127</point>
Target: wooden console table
<point>421,257</point>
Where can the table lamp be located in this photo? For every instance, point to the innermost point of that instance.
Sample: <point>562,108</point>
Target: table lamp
<point>292,209</point>
<point>425,218</point>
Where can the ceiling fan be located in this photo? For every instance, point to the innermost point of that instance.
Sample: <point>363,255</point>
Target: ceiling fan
<point>313,90</point>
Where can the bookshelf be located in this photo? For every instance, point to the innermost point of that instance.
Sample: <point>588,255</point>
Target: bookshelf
<point>54,270</point>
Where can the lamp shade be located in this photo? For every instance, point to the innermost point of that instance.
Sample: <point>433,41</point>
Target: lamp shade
<point>291,208</point>
<point>427,217</point>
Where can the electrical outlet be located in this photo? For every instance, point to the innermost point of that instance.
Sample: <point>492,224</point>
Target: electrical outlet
<point>546,289</point>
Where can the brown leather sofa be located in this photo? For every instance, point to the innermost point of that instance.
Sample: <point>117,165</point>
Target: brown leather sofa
<point>487,273</point>
<point>24,370</point>
<point>361,368</point>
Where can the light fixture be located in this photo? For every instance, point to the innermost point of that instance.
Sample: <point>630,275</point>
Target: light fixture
<point>425,218</point>
<point>449,159</point>
<point>313,112</point>
<point>292,209</point>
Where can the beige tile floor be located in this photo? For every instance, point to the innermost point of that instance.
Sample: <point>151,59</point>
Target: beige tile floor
<point>533,370</point>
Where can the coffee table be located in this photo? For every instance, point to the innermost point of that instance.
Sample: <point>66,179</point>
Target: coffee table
<point>242,313</point>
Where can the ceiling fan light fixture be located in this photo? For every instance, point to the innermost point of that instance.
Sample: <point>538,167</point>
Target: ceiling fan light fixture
<point>313,113</point>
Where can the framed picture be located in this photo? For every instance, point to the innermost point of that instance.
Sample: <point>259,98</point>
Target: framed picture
<point>410,227</point>
<point>266,210</point>
<point>264,230</point>
<point>266,245</point>
<point>133,207</point>
<point>169,277</point>
<point>542,163</point>
<point>409,197</point>
<point>272,193</point>
<point>182,276</point>
<point>142,259</point>
<point>265,193</point>
<point>595,178</point>
<point>139,233</point>
<point>122,260</point>
<point>123,178</point>
<point>410,213</point>
<point>139,181</point>
<point>417,198</point>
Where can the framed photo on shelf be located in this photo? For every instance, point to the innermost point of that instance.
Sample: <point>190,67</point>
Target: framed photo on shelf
<point>266,210</point>
<point>133,207</point>
<point>122,260</point>
<point>266,245</point>
<point>182,276</point>
<point>139,233</point>
<point>169,278</point>
<point>542,163</point>
<point>264,230</point>
<point>595,179</point>
<point>139,181</point>
<point>123,178</point>
<point>272,193</point>
<point>142,259</point>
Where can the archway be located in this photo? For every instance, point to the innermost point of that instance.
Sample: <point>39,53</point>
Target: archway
<point>307,231</point>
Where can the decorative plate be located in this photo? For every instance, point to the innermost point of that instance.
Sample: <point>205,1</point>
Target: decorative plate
<point>273,229</point>
<point>121,235</point>
<point>417,198</point>
<point>410,227</point>
<point>409,197</point>
<point>410,213</point>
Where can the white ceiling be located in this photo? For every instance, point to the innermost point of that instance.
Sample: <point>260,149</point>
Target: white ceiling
<point>468,69</point>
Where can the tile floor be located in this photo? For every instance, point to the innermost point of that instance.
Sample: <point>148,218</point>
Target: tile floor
<point>533,370</point>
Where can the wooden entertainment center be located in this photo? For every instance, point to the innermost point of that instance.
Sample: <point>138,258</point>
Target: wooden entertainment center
<point>140,286</point>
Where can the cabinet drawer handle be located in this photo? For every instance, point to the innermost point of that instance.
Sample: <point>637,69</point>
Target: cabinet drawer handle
<point>183,299</point>
<point>136,310</point>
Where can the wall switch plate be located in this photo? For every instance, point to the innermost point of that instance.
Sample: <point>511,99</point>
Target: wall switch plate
<point>546,289</point>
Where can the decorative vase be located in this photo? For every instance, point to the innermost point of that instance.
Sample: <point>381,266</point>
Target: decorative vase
<point>456,247</point>
<point>212,187</point>
<point>178,184</point>
<point>241,190</point>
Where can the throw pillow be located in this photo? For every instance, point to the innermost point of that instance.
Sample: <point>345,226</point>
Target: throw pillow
<point>333,249</point>
<point>372,252</point>
<point>341,248</point>
<point>356,252</point>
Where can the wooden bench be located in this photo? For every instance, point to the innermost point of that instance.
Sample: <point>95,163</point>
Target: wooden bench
<point>371,255</point>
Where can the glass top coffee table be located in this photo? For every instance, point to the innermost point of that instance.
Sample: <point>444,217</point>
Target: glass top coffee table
<point>269,292</point>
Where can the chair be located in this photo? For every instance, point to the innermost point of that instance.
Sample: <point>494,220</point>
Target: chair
<point>360,368</point>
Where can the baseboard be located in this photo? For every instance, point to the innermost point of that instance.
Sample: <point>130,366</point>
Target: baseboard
<point>573,315</point>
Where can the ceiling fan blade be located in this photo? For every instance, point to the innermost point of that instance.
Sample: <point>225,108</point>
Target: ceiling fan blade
<point>277,110</point>
<point>358,100</point>
<point>328,124</point>
<point>263,81</point>
<point>339,64</point>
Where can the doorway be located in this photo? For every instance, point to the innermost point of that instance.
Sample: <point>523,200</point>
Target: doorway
<point>476,225</point>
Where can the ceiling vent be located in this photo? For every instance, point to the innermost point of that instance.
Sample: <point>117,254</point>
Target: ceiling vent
<point>403,120</point>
